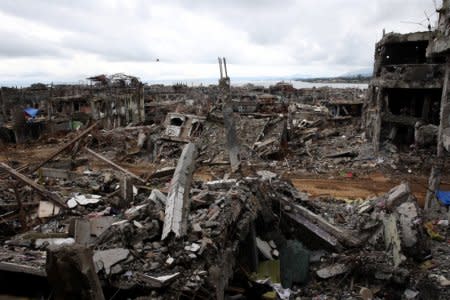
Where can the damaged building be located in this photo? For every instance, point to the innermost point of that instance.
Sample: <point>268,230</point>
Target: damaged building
<point>116,100</point>
<point>405,92</point>
<point>138,191</point>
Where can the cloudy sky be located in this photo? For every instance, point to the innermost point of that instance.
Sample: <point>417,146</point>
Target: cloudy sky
<point>68,40</point>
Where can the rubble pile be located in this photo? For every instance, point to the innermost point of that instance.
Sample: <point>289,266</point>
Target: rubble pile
<point>124,190</point>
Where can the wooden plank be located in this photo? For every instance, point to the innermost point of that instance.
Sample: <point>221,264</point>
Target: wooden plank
<point>340,234</point>
<point>18,268</point>
<point>114,165</point>
<point>64,147</point>
<point>316,230</point>
<point>40,189</point>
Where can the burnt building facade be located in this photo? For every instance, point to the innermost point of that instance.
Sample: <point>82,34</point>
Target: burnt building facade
<point>115,101</point>
<point>405,91</point>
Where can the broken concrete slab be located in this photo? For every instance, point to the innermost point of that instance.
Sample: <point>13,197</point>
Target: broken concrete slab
<point>21,268</point>
<point>157,196</point>
<point>408,217</point>
<point>82,231</point>
<point>54,242</point>
<point>266,175</point>
<point>316,230</point>
<point>47,209</point>
<point>220,184</point>
<point>333,270</point>
<point>392,239</point>
<point>134,211</point>
<point>80,199</point>
<point>398,195</point>
<point>156,281</point>
<point>264,248</point>
<point>55,198</point>
<point>178,202</point>
<point>105,259</point>
<point>99,225</point>
<point>56,173</point>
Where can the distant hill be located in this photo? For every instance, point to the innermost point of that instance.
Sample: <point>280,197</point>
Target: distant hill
<point>367,72</point>
<point>357,76</point>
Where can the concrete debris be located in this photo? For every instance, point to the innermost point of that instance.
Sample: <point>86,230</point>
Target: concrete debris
<point>266,175</point>
<point>392,239</point>
<point>177,207</point>
<point>83,200</point>
<point>410,294</point>
<point>231,192</point>
<point>443,281</point>
<point>398,195</point>
<point>366,294</point>
<point>134,211</point>
<point>264,248</point>
<point>100,224</point>
<point>220,184</point>
<point>156,195</point>
<point>158,282</point>
<point>105,259</point>
<point>333,270</point>
<point>47,209</point>
<point>54,242</point>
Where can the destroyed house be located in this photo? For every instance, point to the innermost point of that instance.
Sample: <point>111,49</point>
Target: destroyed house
<point>116,100</point>
<point>183,127</point>
<point>406,88</point>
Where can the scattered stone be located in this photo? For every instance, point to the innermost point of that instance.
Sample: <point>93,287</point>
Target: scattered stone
<point>333,270</point>
<point>105,259</point>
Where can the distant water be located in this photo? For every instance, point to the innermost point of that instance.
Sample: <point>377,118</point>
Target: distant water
<point>265,83</point>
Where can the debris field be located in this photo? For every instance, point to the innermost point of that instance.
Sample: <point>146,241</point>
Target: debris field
<point>124,190</point>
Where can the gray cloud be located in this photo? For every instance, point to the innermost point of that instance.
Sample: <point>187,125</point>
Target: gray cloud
<point>328,33</point>
<point>17,45</point>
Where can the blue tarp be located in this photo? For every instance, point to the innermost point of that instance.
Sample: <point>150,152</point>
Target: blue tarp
<point>32,112</point>
<point>444,197</point>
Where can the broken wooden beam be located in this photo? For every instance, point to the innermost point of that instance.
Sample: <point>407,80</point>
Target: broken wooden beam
<point>178,202</point>
<point>19,268</point>
<point>114,165</point>
<point>341,235</point>
<point>316,230</point>
<point>40,189</point>
<point>232,139</point>
<point>64,147</point>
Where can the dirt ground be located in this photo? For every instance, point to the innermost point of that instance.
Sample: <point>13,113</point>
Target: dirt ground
<point>354,188</point>
<point>362,187</point>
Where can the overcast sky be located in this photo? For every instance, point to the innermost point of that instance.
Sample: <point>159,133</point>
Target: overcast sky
<point>68,40</point>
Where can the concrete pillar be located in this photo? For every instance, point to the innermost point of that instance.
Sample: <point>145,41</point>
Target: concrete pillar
<point>71,273</point>
<point>126,190</point>
<point>377,124</point>
<point>178,201</point>
<point>444,123</point>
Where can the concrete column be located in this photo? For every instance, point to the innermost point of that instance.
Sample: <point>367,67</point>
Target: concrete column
<point>377,124</point>
<point>126,190</point>
<point>178,201</point>
<point>71,273</point>
<point>444,123</point>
